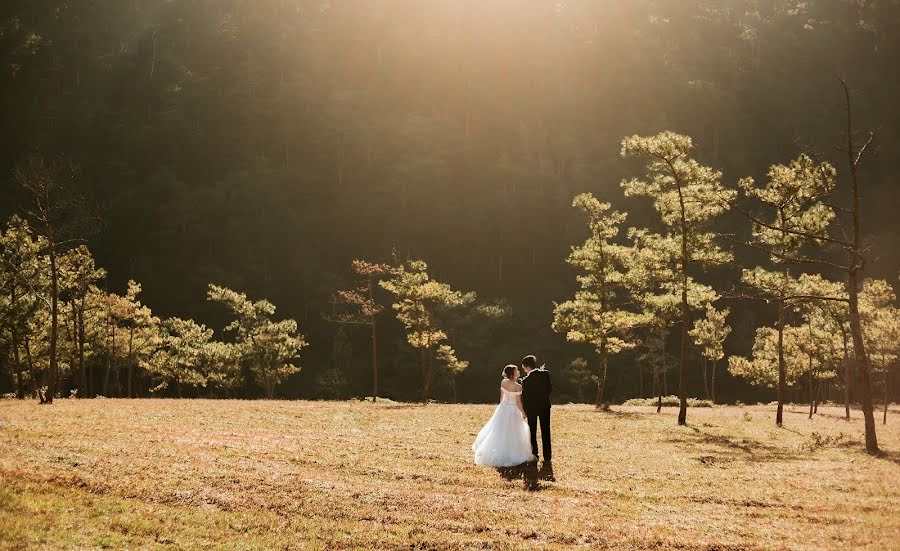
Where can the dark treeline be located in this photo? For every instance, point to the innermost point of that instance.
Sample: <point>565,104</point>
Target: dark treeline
<point>262,145</point>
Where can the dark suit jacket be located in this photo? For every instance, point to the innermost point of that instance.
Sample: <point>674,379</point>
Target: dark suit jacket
<point>536,389</point>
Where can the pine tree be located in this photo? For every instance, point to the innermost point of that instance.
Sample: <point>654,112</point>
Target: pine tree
<point>709,334</point>
<point>794,194</point>
<point>417,297</point>
<point>359,307</point>
<point>21,286</point>
<point>266,346</point>
<point>593,315</point>
<point>57,215</point>
<point>688,197</point>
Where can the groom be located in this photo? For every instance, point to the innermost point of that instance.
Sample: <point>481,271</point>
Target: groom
<point>536,389</point>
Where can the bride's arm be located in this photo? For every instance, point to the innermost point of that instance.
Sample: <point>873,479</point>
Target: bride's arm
<point>519,405</point>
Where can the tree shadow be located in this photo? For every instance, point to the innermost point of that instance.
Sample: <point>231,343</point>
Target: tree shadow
<point>533,478</point>
<point>893,457</point>
<point>729,449</point>
<point>409,405</point>
<point>619,414</point>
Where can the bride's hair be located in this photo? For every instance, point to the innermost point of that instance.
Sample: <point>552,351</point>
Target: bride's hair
<point>509,371</point>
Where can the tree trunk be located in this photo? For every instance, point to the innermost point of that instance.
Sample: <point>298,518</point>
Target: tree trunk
<point>130,362</point>
<point>601,381</point>
<point>659,398</point>
<point>811,386</point>
<point>54,326</point>
<point>34,376</point>
<point>14,333</point>
<point>685,318</point>
<point>847,376</point>
<point>109,357</point>
<point>428,374</point>
<point>20,385</point>
<point>779,415</point>
<point>424,374</point>
<point>817,396</point>
<point>712,384</point>
<point>81,343</point>
<point>884,420</point>
<point>862,362</point>
<point>855,264</point>
<point>705,384</point>
<point>374,361</point>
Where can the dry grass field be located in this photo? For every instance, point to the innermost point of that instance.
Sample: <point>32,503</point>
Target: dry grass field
<point>330,475</point>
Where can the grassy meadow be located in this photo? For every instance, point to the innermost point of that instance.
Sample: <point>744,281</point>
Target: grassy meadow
<point>196,474</point>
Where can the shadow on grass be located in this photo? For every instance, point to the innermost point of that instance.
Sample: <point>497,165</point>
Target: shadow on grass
<point>729,449</point>
<point>402,405</point>
<point>530,475</point>
<point>860,446</point>
<point>893,457</point>
<point>620,414</point>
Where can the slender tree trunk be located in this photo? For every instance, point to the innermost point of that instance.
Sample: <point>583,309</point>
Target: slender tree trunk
<point>374,360</point>
<point>712,384</point>
<point>54,326</point>
<point>424,371</point>
<point>81,343</point>
<point>886,380</point>
<point>659,397</point>
<point>862,362</point>
<point>130,362</point>
<point>601,385</point>
<point>818,396</point>
<point>428,374</point>
<point>811,387</point>
<point>855,264</point>
<point>14,332</point>
<point>682,369</point>
<point>73,338</point>
<point>35,391</point>
<point>847,375</point>
<point>685,316</point>
<point>20,384</point>
<point>779,415</point>
<point>109,362</point>
<point>705,383</point>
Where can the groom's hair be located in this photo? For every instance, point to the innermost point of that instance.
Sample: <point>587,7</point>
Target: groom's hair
<point>529,361</point>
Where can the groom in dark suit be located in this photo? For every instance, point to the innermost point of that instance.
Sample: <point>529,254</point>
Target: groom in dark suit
<point>536,389</point>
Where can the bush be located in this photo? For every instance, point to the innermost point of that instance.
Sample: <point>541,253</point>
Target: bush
<point>668,401</point>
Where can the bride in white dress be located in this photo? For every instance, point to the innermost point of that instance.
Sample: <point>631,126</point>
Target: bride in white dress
<point>504,440</point>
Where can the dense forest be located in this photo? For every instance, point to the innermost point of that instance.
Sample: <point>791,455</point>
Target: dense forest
<point>229,157</point>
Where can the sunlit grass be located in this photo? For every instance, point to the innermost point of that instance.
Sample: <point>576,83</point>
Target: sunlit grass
<point>190,474</point>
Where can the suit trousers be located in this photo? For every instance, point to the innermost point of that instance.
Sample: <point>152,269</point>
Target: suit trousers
<point>543,416</point>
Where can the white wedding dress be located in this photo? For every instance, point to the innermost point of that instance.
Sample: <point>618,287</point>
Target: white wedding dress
<point>504,441</point>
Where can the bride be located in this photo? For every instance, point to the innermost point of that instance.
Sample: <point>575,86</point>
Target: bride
<point>504,440</point>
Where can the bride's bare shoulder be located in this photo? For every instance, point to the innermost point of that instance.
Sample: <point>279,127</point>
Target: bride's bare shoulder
<point>511,386</point>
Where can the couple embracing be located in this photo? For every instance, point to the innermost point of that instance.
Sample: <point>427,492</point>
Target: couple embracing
<point>507,440</point>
